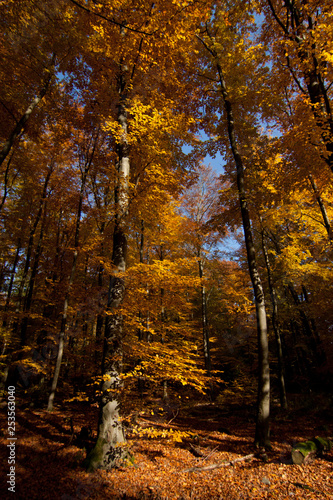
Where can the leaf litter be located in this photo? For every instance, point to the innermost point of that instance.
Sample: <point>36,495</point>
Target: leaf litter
<point>211,462</point>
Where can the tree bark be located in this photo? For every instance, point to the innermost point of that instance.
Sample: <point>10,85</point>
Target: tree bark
<point>263,405</point>
<point>302,452</point>
<point>276,327</point>
<point>205,332</point>
<point>109,450</point>
<point>323,211</point>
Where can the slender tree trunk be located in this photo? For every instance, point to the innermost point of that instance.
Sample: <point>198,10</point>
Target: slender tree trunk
<point>98,327</point>
<point>12,277</point>
<point>61,342</point>
<point>6,314</point>
<point>276,327</point>
<point>144,318</point>
<point>319,199</point>
<point>6,182</point>
<point>142,240</point>
<point>165,395</point>
<point>34,271</point>
<point>205,332</point>
<point>141,260</point>
<point>62,336</point>
<point>99,324</point>
<point>263,407</point>
<point>149,337</point>
<point>31,240</point>
<point>23,120</point>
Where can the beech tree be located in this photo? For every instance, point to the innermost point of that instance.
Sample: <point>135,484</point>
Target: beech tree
<point>129,69</point>
<point>213,50</point>
<point>109,227</point>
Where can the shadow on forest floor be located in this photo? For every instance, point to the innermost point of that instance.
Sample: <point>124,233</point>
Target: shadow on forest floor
<point>48,459</point>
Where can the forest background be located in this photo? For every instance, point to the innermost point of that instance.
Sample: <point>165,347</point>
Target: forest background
<point>115,287</point>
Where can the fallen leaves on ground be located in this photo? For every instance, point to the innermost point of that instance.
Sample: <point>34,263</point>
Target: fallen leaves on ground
<point>49,463</point>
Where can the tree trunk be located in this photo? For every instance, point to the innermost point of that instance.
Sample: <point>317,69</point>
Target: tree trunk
<point>141,260</point>
<point>12,277</point>
<point>5,184</point>
<point>205,332</point>
<point>263,406</point>
<point>303,452</point>
<point>100,317</point>
<point>165,396</point>
<point>23,120</point>
<point>276,327</point>
<point>323,211</point>
<point>62,336</point>
<point>34,272</point>
<point>57,368</point>
<point>31,239</point>
<point>109,450</point>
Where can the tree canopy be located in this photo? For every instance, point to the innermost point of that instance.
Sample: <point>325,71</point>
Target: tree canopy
<point>116,286</point>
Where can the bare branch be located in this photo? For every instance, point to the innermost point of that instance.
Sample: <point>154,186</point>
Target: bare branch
<point>220,465</point>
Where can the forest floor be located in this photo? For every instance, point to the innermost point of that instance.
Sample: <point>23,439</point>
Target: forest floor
<point>49,460</point>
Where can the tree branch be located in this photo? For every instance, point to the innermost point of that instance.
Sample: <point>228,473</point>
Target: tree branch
<point>110,20</point>
<point>220,465</point>
<point>276,17</point>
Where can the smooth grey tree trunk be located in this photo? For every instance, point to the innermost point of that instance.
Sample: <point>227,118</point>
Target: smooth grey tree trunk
<point>205,332</point>
<point>263,405</point>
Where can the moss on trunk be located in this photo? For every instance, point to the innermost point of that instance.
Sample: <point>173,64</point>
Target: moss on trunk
<point>303,452</point>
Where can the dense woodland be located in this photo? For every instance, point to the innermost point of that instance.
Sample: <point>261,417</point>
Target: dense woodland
<point>134,279</point>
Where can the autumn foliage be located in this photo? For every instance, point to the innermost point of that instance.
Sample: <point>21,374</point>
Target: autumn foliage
<point>135,277</point>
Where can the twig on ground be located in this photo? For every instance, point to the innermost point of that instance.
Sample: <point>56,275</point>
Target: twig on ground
<point>210,453</point>
<point>218,466</point>
<point>175,414</point>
